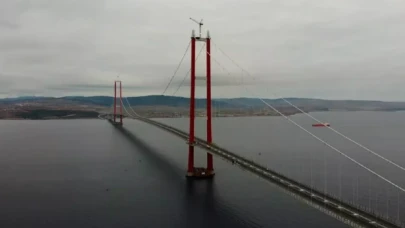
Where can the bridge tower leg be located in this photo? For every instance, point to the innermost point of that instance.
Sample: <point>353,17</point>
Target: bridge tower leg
<point>117,104</point>
<point>199,172</point>
<point>191,139</point>
<point>210,161</point>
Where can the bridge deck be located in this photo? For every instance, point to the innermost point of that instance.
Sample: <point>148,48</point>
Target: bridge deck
<point>330,205</point>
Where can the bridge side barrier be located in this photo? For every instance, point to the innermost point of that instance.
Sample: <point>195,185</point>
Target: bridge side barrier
<point>321,199</point>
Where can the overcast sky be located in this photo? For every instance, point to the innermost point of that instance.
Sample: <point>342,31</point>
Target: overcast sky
<point>335,49</point>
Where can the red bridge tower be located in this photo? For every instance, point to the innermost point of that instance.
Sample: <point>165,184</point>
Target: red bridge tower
<point>117,104</point>
<point>191,170</point>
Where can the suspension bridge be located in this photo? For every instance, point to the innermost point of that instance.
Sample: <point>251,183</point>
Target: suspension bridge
<point>356,215</point>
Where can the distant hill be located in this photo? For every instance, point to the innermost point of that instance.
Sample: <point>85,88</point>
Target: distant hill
<point>153,100</point>
<point>23,99</point>
<point>160,100</point>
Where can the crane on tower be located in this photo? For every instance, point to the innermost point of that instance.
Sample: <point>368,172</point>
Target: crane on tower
<point>199,24</point>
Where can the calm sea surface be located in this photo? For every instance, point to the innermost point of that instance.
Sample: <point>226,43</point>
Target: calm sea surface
<point>86,173</point>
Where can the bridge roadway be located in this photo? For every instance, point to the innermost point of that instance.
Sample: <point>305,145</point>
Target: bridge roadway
<point>330,205</point>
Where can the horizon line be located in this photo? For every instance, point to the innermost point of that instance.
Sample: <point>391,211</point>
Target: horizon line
<point>304,98</point>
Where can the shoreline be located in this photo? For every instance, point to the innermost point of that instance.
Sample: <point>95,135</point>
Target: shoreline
<point>74,117</point>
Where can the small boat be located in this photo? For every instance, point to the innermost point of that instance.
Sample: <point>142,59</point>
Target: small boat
<point>321,125</point>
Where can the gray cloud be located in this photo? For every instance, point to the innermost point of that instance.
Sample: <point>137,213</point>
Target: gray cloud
<point>305,48</point>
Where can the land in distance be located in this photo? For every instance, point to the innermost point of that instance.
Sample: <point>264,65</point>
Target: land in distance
<point>170,106</point>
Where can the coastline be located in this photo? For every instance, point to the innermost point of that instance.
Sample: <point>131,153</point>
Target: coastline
<point>97,115</point>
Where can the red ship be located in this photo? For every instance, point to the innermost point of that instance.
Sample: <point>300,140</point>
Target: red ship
<point>321,125</point>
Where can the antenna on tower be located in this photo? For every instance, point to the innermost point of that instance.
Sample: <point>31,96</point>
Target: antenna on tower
<point>199,23</point>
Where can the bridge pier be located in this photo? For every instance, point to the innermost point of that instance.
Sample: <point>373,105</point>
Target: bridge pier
<point>199,172</point>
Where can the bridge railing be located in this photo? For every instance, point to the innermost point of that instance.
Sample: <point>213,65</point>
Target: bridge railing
<point>349,205</point>
<point>352,205</point>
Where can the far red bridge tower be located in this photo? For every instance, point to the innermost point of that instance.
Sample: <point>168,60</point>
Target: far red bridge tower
<point>117,102</point>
